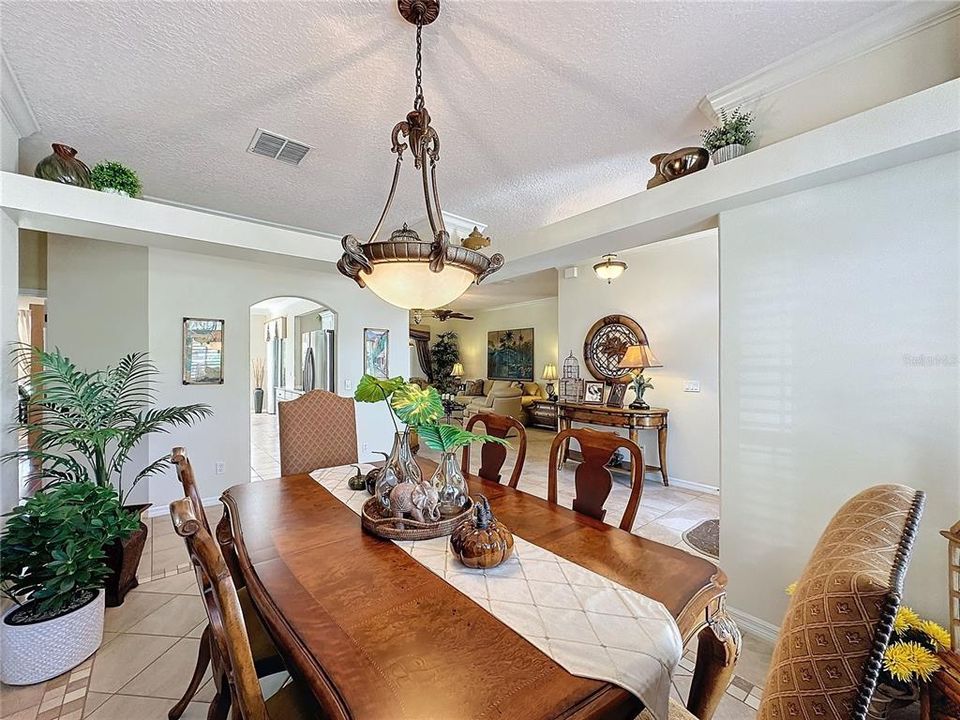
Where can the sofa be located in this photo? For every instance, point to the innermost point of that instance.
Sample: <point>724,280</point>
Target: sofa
<point>503,397</point>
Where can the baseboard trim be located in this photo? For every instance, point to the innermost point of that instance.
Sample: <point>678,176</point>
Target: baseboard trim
<point>691,485</point>
<point>753,625</point>
<point>164,511</point>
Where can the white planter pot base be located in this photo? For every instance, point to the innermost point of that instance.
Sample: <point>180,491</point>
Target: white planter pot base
<point>44,650</point>
<point>727,152</point>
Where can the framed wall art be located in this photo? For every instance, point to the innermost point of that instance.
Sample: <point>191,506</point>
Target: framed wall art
<point>593,392</point>
<point>202,351</point>
<point>376,353</point>
<point>510,354</point>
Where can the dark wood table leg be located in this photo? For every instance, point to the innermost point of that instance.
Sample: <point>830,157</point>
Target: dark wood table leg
<point>662,445</point>
<point>718,650</point>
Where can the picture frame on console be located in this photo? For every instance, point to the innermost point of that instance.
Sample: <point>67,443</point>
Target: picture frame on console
<point>617,394</point>
<point>593,392</point>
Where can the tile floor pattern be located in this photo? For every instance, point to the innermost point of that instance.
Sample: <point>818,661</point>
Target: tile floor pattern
<point>150,643</point>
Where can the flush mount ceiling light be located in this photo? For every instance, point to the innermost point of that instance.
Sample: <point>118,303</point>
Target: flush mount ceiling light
<point>406,271</point>
<point>609,268</point>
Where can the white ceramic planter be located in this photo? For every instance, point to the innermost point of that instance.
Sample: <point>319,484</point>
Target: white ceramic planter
<point>114,191</point>
<point>727,152</point>
<point>40,651</point>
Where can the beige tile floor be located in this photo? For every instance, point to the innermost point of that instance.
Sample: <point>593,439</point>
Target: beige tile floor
<point>150,643</point>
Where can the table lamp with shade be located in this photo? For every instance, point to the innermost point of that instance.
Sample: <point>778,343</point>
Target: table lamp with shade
<point>550,374</point>
<point>638,358</point>
<point>457,372</point>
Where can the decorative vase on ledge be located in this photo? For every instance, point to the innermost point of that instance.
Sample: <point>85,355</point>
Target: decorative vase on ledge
<point>62,166</point>
<point>727,152</point>
<point>400,467</point>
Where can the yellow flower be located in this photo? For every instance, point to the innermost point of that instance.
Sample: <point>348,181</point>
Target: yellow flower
<point>791,588</point>
<point>907,660</point>
<point>905,619</point>
<point>935,632</point>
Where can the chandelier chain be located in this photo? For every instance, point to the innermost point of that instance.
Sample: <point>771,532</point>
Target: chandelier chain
<point>418,97</point>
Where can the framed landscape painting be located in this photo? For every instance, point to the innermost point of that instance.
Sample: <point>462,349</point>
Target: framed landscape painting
<point>510,354</point>
<point>202,351</point>
<point>376,352</point>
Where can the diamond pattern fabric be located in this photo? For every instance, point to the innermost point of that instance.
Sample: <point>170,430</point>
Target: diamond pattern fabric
<point>819,665</point>
<point>589,625</point>
<point>318,429</point>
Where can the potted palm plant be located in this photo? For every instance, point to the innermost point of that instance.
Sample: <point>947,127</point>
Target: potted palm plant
<point>53,566</point>
<point>730,138</point>
<point>83,427</point>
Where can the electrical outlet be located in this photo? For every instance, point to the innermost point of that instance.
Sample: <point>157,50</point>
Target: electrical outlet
<point>219,467</point>
<point>365,447</point>
<point>691,386</point>
<point>348,384</point>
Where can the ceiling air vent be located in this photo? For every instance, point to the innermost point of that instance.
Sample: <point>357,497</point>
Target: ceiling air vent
<point>277,147</point>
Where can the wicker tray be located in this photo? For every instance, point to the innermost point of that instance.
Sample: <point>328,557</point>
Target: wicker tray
<point>374,521</point>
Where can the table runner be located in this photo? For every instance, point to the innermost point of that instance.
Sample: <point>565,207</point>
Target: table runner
<point>587,624</point>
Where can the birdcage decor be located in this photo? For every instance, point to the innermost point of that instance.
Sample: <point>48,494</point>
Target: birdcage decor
<point>953,568</point>
<point>571,386</point>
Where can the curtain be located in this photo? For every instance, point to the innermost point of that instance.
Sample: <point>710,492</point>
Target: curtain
<point>421,339</point>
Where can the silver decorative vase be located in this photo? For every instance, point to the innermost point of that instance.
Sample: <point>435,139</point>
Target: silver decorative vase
<point>451,486</point>
<point>400,467</point>
<point>727,152</point>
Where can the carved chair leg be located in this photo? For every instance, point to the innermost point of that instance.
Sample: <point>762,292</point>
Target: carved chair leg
<point>220,705</point>
<point>203,660</point>
<point>718,649</point>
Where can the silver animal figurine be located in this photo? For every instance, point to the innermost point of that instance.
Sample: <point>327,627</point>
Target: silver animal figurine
<point>419,500</point>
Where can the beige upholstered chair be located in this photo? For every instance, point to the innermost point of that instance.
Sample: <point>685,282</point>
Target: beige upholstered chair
<point>236,676</point>
<point>827,658</point>
<point>318,429</point>
<point>267,660</point>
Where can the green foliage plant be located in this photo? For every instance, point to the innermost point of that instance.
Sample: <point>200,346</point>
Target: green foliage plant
<point>447,438</point>
<point>443,354</point>
<point>52,547</point>
<point>406,401</point>
<point>734,129</point>
<point>85,423</point>
<point>115,175</point>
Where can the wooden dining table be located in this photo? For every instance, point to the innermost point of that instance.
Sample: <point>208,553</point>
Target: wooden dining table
<point>376,635</point>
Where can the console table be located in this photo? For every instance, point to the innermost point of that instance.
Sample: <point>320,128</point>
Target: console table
<point>633,420</point>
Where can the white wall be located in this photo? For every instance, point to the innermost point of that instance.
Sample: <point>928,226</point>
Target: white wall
<point>97,311</point>
<point>909,65</point>
<point>258,349</point>
<point>9,144</point>
<point>839,344</point>
<point>541,315</point>
<point>106,299</point>
<point>670,288</point>
<point>9,269</point>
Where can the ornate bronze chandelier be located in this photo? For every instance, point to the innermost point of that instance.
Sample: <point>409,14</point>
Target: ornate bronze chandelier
<point>406,271</point>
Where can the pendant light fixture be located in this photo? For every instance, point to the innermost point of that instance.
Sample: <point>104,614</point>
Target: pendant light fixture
<point>405,270</point>
<point>609,268</point>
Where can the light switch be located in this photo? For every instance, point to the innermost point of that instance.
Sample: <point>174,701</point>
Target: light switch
<point>348,384</point>
<point>691,386</point>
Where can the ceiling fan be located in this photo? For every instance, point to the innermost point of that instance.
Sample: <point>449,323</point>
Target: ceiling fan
<point>441,314</point>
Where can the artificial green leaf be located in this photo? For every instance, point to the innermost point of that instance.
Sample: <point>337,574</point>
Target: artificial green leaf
<point>417,406</point>
<point>372,390</point>
<point>446,438</point>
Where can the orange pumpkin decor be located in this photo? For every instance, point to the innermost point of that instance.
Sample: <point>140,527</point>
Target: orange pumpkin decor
<point>482,541</point>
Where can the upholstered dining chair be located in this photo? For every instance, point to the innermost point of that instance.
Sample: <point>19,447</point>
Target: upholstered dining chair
<point>318,429</point>
<point>838,623</point>
<point>266,659</point>
<point>492,455</point>
<point>592,478</point>
<point>237,682</point>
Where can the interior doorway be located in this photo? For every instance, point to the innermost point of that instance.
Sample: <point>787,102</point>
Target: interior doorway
<point>292,351</point>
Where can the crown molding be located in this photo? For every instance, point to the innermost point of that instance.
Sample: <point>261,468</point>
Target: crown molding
<point>864,37</point>
<point>14,102</point>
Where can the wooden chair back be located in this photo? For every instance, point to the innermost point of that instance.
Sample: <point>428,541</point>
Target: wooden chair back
<point>318,429</point>
<point>181,461</point>
<point>492,455</point>
<point>593,479</point>
<point>230,645</point>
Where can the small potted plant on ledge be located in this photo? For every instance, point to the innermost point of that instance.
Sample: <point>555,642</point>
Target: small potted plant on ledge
<point>112,177</point>
<point>53,566</point>
<point>730,138</point>
<point>83,426</point>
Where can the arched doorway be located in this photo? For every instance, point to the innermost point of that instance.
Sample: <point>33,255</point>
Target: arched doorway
<point>292,351</point>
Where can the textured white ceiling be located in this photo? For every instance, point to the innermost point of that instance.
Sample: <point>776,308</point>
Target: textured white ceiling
<point>544,109</point>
